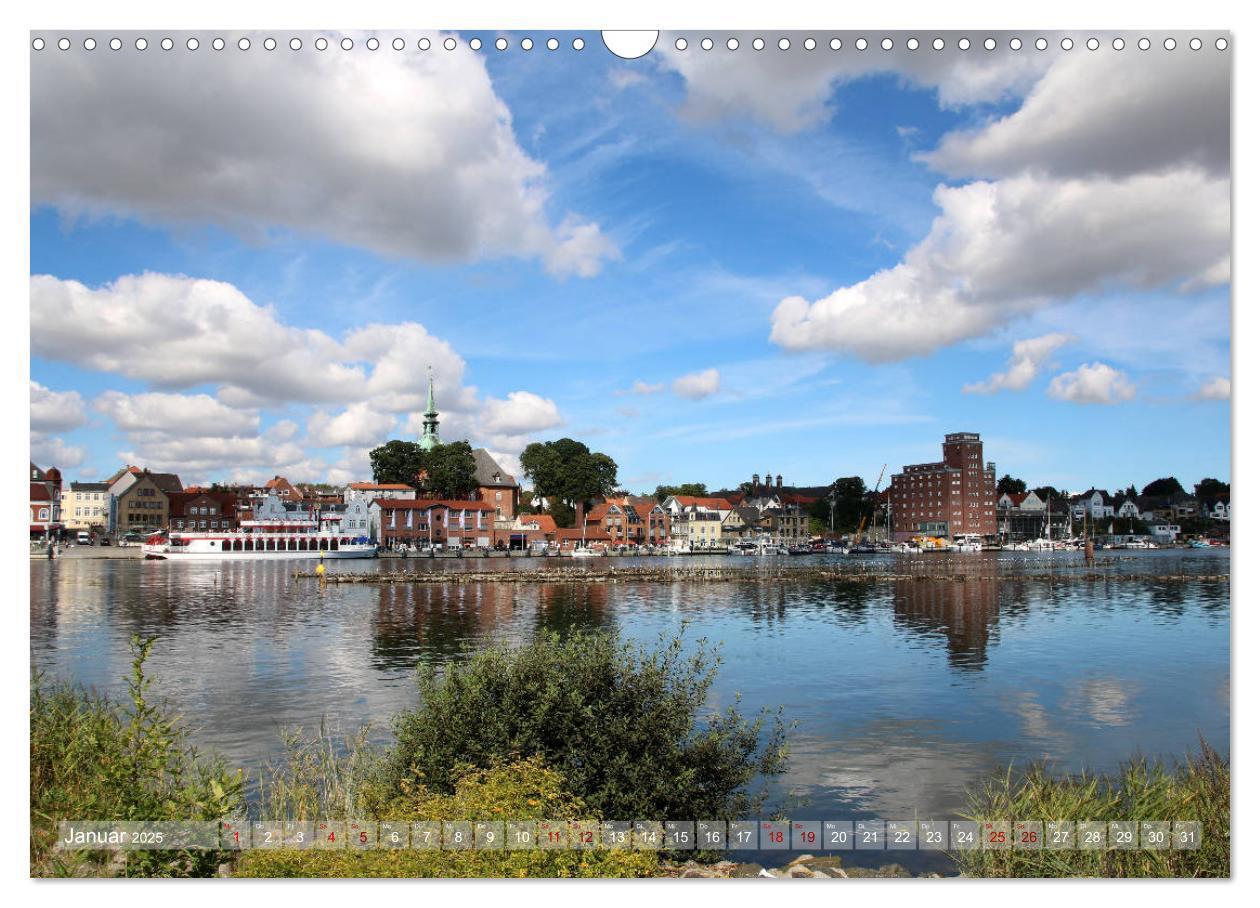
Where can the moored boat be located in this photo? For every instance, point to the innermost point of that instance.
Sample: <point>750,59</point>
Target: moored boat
<point>258,546</point>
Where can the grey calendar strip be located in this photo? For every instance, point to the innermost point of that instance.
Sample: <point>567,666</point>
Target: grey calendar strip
<point>646,835</point>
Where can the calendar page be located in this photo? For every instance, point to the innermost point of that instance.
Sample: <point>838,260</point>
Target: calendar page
<point>776,453</point>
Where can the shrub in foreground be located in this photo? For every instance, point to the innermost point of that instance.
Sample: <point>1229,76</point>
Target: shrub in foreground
<point>1196,789</point>
<point>519,791</point>
<point>625,727</point>
<point>93,759</point>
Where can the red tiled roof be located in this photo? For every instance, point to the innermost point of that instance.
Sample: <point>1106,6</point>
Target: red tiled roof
<point>1017,498</point>
<point>545,522</point>
<point>39,492</point>
<point>689,501</point>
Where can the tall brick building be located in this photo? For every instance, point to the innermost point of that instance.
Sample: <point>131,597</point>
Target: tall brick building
<point>956,495</point>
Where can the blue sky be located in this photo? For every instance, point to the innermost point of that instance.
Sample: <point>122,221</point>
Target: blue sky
<point>564,225</point>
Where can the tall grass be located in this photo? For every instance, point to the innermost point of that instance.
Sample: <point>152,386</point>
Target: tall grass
<point>1194,789</point>
<point>320,776</point>
<point>94,759</point>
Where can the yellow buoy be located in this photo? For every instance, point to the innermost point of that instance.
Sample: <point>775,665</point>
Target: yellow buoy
<point>319,568</point>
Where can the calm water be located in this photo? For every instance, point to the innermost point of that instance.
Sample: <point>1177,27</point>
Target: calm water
<point>903,693</point>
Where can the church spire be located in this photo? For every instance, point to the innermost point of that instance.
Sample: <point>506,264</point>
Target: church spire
<point>429,436</point>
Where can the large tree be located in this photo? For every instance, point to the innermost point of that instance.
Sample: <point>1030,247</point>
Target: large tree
<point>1164,487</point>
<point>698,489</point>
<point>445,471</point>
<point>1009,484</point>
<point>569,472</point>
<point>397,461</point>
<point>849,496</point>
<point>1207,489</point>
<point>448,471</point>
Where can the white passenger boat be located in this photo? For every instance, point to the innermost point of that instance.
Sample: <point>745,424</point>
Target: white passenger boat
<point>259,543</point>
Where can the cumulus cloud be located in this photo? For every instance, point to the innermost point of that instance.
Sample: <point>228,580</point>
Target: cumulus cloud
<point>357,424</point>
<point>1111,175</point>
<point>1027,356</point>
<point>52,451</point>
<point>1095,383</point>
<point>262,453</point>
<point>55,411</point>
<point>697,385</point>
<point>1215,389</point>
<point>175,414</point>
<point>793,91</point>
<point>410,155</point>
<point>1005,248</point>
<point>1106,113</point>
<point>198,333</point>
<point>522,413</point>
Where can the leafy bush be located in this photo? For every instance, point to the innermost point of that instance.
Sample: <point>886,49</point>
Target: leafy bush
<point>1197,789</point>
<point>621,725</point>
<point>92,759</point>
<point>526,790</point>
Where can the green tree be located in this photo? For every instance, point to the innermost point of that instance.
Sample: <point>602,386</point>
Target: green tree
<point>1045,493</point>
<point>849,495</point>
<point>1164,487</point>
<point>1207,489</point>
<point>1008,484</point>
<point>568,471</point>
<point>630,730</point>
<point>697,489</point>
<point>397,461</point>
<point>448,471</point>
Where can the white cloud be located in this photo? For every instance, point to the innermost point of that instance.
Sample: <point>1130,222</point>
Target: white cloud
<point>55,411</point>
<point>51,451</point>
<point>259,454</point>
<point>697,385</point>
<point>1027,356</point>
<point>198,333</point>
<point>792,91</point>
<point>175,414</point>
<point>357,424</point>
<point>1215,389</point>
<point>1095,383</point>
<point>410,155</point>
<point>522,413</point>
<point>1109,114</point>
<point>1002,249</point>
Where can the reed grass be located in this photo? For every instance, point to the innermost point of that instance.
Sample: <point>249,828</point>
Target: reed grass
<point>1196,788</point>
<point>94,759</point>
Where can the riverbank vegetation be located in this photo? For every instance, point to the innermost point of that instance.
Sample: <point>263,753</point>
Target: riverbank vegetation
<point>96,759</point>
<point>1194,789</point>
<point>578,728</point>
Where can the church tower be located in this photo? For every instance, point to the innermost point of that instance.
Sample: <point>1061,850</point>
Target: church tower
<point>429,435</point>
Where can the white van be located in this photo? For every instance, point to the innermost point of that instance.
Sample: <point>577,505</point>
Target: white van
<point>83,538</point>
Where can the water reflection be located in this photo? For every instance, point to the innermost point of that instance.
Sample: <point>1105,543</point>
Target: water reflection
<point>904,692</point>
<point>964,613</point>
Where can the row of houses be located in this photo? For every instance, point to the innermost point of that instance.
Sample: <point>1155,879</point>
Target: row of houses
<point>1025,515</point>
<point>680,521</point>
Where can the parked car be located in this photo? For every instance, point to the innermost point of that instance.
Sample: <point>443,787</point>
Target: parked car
<point>83,538</point>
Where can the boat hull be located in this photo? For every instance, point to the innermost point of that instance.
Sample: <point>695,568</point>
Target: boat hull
<point>161,553</point>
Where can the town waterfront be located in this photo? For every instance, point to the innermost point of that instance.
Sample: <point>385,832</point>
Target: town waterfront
<point>904,693</point>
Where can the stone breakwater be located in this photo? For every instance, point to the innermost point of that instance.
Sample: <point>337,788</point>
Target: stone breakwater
<point>702,574</point>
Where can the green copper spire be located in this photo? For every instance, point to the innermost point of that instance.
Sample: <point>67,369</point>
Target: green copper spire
<point>429,436</point>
